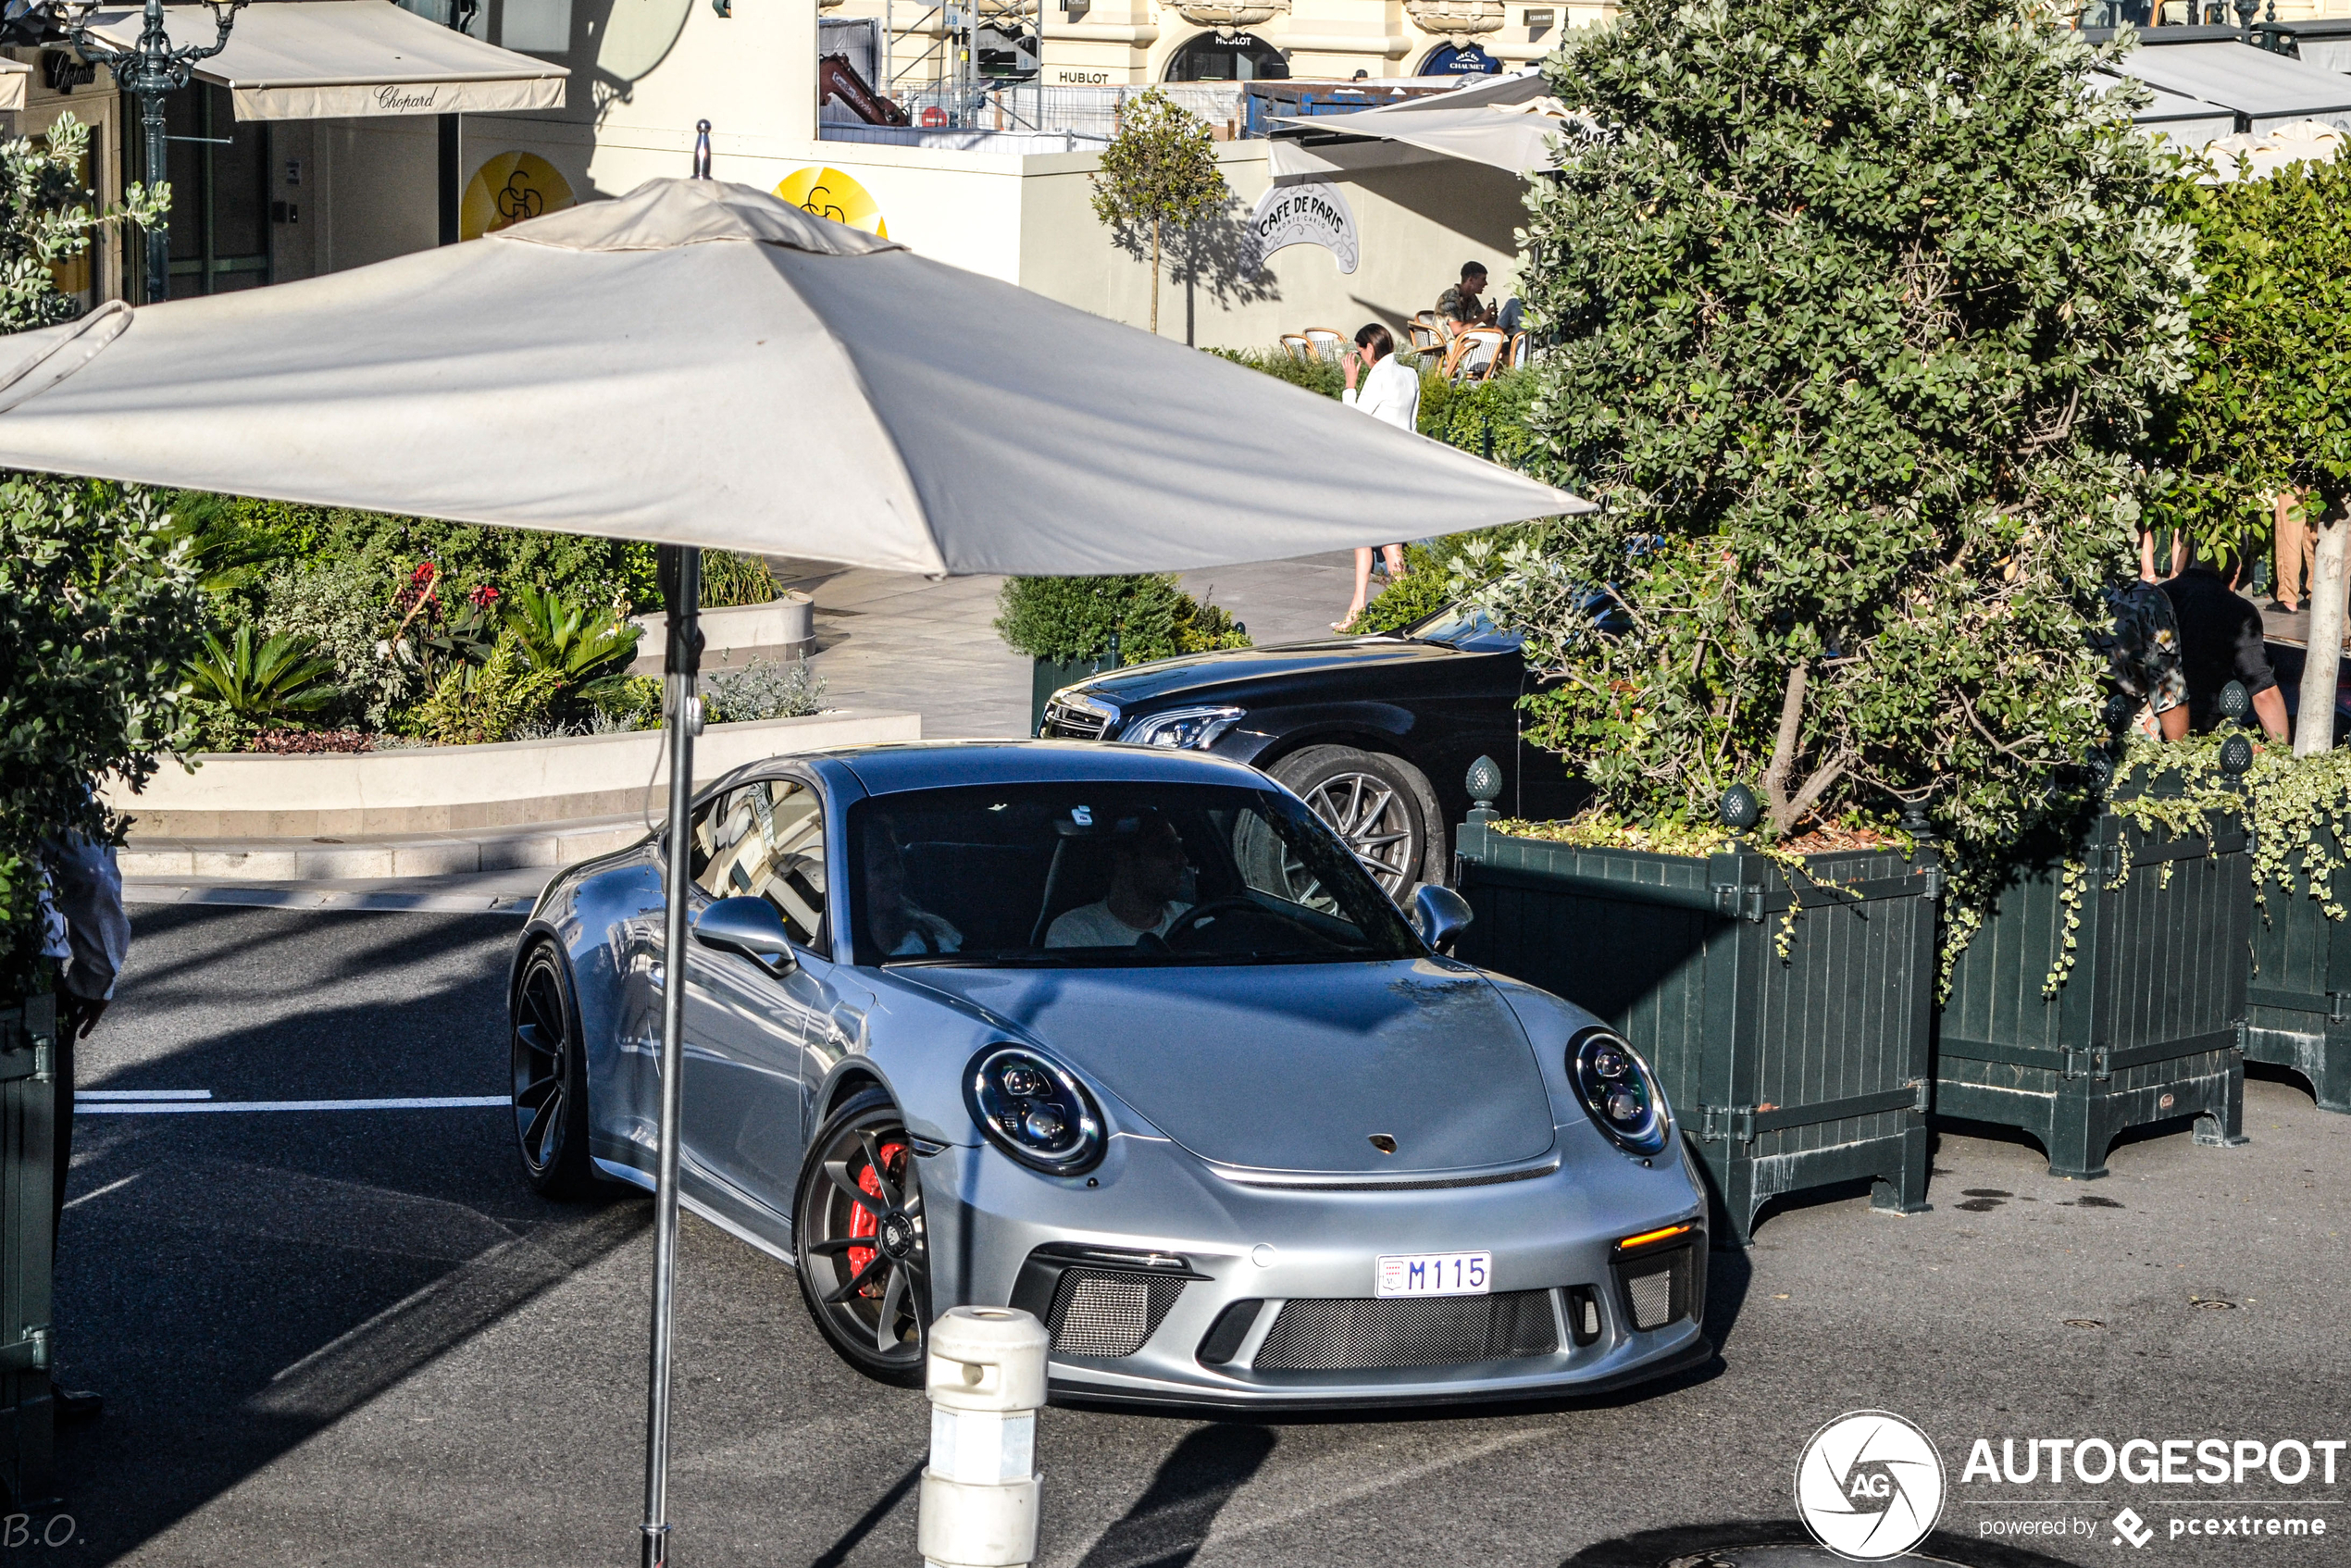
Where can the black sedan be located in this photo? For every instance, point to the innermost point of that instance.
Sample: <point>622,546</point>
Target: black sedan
<point>1376,733</point>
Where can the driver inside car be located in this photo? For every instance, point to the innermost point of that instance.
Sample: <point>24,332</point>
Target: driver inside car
<point>898,925</point>
<point>1147,882</point>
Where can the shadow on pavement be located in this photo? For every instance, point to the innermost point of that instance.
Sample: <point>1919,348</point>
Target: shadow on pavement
<point>235,1283</point>
<point>1168,1523</point>
<point>1718,1546</point>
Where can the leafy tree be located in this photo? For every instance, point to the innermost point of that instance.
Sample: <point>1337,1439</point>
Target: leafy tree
<point>98,601</point>
<point>1860,307</point>
<point>1159,169</point>
<point>2266,409</point>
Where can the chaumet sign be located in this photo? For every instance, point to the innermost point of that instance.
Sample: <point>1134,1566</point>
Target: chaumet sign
<point>1311,213</point>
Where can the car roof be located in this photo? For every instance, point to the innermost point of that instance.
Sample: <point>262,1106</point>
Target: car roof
<point>899,767</point>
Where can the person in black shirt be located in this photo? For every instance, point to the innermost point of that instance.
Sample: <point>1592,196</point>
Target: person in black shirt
<point>2220,642</point>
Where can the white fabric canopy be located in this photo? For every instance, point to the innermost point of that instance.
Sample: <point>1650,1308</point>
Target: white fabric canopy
<point>15,75</point>
<point>2268,90</point>
<point>2255,157</point>
<point>319,59</point>
<point>703,363</point>
<point>2188,122</point>
<point>1507,123</point>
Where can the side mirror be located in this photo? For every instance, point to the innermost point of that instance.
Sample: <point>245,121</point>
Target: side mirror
<point>1440,916</point>
<point>748,925</point>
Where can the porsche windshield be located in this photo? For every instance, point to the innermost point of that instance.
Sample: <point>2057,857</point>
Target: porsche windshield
<point>1116,874</point>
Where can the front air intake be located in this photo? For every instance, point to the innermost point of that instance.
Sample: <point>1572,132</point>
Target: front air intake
<point>1340,1334</point>
<point>1108,1314</point>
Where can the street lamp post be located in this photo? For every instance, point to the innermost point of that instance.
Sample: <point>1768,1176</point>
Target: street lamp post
<point>152,68</point>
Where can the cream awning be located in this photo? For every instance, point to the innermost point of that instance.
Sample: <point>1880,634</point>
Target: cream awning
<point>14,74</point>
<point>1507,122</point>
<point>324,59</point>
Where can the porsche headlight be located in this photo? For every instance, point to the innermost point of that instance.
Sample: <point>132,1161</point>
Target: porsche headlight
<point>1033,1109</point>
<point>1619,1092</point>
<point>1184,729</point>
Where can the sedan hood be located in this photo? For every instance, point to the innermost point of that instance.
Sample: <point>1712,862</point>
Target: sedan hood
<point>1232,671</point>
<point>1291,1067</point>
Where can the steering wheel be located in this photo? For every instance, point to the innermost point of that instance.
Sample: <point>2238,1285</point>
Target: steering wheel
<point>1190,924</point>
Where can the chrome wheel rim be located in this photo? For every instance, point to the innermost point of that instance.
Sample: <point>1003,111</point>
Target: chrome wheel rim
<point>866,1247</point>
<point>541,1062</point>
<point>1372,817</point>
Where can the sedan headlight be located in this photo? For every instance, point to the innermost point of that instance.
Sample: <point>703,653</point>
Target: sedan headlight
<point>1619,1092</point>
<point>1033,1109</point>
<point>1184,729</point>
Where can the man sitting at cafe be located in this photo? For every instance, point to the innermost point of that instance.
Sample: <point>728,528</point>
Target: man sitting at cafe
<point>1459,306</point>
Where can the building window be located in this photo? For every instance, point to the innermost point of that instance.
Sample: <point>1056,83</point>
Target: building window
<point>1241,57</point>
<point>219,173</point>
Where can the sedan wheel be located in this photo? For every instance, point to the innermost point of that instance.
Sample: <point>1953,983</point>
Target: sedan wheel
<point>1373,803</point>
<point>550,1079</point>
<point>865,1258</point>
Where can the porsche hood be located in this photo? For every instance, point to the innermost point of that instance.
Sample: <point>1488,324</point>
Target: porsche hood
<point>1291,1067</point>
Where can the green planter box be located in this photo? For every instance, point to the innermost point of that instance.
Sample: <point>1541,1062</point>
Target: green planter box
<point>27,1118</point>
<point>2298,998</point>
<point>1050,675</point>
<point>2146,1028</point>
<point>1787,1074</point>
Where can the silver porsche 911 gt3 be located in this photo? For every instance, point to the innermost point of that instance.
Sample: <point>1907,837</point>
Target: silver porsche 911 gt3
<point>1128,1038</point>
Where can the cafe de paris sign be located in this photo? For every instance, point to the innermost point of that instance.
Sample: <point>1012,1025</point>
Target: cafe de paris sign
<point>1313,213</point>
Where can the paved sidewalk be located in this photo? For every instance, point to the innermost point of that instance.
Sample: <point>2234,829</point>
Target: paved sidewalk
<point>895,641</point>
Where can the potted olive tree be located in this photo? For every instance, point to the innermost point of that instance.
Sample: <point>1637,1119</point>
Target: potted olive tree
<point>1857,309</point>
<point>2265,416</point>
<point>98,612</point>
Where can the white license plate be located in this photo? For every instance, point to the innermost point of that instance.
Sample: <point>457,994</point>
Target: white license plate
<point>1436,1274</point>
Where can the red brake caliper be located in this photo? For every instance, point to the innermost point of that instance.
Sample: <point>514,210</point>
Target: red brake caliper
<point>860,1219</point>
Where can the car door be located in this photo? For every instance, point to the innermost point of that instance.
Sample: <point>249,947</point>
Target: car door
<point>747,1024</point>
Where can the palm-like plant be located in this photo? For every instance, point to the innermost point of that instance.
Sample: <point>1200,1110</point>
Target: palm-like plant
<point>558,636</point>
<point>283,677</point>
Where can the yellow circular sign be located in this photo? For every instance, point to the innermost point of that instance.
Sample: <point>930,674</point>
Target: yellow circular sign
<point>507,190</point>
<point>828,192</point>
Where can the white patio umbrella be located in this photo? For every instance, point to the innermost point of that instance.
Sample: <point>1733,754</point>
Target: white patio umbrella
<point>701,365</point>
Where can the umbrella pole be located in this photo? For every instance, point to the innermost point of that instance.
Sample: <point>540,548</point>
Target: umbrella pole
<point>681,586</point>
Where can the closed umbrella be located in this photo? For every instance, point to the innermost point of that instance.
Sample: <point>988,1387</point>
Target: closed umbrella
<point>701,365</point>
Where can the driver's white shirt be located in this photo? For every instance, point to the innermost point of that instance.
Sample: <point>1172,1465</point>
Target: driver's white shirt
<point>1092,925</point>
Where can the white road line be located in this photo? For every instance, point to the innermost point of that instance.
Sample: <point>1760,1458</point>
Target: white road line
<point>81,1094</point>
<point>101,1192</point>
<point>167,1107</point>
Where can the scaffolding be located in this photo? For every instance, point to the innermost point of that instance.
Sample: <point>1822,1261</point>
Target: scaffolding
<point>976,64</point>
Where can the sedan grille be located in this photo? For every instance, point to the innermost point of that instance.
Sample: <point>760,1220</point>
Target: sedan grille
<point>1067,722</point>
<point>1334,1334</point>
<point>1108,1312</point>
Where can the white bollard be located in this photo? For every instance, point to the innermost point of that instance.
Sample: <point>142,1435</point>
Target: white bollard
<point>987,1381</point>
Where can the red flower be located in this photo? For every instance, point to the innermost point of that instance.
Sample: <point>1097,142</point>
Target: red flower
<point>484,596</point>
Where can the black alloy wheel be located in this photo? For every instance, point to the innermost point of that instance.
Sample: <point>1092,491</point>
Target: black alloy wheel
<point>550,1079</point>
<point>864,1251</point>
<point>1377,804</point>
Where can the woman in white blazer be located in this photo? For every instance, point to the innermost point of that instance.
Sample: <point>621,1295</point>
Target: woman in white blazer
<point>1392,393</point>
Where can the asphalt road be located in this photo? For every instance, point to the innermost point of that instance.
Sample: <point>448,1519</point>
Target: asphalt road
<point>356,1337</point>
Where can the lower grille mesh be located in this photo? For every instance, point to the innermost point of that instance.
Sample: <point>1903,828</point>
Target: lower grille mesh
<point>1657,1288</point>
<point>1338,1334</point>
<point>1108,1312</point>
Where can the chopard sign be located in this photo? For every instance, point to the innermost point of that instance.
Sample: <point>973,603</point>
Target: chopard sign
<point>394,98</point>
<point>1314,213</point>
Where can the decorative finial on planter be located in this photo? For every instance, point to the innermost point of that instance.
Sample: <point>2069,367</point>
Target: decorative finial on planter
<point>2236,756</point>
<point>1484,782</point>
<point>1737,808</point>
<point>2234,703</point>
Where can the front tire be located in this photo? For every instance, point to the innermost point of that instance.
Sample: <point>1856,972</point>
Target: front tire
<point>550,1079</point>
<point>1379,805</point>
<point>863,1246</point>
